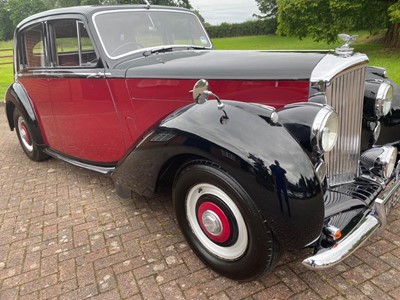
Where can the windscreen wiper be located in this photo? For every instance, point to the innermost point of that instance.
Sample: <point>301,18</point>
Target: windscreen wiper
<point>171,48</point>
<point>196,47</point>
<point>158,50</point>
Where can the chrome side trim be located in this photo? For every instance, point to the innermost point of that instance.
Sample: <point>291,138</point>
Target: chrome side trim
<point>64,74</point>
<point>331,65</point>
<point>99,169</point>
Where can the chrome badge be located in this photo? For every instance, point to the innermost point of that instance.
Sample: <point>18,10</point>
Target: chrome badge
<point>345,50</point>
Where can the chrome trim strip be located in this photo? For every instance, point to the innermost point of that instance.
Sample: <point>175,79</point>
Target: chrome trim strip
<point>331,65</point>
<point>65,74</point>
<point>99,169</point>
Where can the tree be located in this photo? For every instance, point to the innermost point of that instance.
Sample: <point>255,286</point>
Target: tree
<point>21,9</point>
<point>268,8</point>
<point>324,19</point>
<point>6,28</point>
<point>392,38</point>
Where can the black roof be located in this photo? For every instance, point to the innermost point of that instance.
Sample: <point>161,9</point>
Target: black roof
<point>90,10</point>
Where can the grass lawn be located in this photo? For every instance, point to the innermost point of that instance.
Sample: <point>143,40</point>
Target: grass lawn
<point>389,59</point>
<point>6,71</point>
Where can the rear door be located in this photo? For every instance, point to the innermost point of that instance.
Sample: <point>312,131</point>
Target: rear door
<point>82,105</point>
<point>33,65</point>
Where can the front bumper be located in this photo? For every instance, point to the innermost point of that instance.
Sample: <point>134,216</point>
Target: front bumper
<point>373,221</point>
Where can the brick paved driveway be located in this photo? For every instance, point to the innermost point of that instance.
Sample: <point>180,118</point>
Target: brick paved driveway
<point>65,234</point>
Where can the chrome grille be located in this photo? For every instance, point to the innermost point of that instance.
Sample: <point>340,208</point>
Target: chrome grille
<point>345,93</point>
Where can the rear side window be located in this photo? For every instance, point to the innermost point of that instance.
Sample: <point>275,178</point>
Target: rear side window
<point>33,55</point>
<point>71,45</point>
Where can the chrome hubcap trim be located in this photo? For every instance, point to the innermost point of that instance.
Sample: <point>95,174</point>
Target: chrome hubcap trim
<point>24,134</point>
<point>231,252</point>
<point>212,223</point>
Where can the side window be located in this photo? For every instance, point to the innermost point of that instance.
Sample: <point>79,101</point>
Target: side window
<point>33,54</point>
<point>71,45</point>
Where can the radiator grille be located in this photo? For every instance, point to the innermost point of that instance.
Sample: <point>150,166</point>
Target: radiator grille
<point>345,94</point>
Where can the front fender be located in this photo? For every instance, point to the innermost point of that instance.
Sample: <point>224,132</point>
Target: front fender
<point>16,97</point>
<point>251,149</point>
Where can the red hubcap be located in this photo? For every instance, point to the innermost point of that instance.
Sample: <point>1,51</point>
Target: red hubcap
<point>214,222</point>
<point>25,134</point>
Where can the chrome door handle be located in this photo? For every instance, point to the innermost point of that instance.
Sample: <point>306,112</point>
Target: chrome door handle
<point>96,75</point>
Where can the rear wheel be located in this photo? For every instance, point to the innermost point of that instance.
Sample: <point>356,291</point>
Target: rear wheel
<point>25,138</point>
<point>221,223</point>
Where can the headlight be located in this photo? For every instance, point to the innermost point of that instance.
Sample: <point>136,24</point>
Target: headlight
<point>380,161</point>
<point>325,129</point>
<point>384,98</point>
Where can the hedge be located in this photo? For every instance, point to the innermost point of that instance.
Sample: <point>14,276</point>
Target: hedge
<point>256,27</point>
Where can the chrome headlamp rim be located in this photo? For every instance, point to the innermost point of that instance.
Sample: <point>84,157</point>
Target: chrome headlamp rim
<point>384,98</point>
<point>380,161</point>
<point>388,160</point>
<point>320,124</point>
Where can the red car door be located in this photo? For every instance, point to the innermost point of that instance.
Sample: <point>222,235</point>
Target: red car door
<point>82,105</point>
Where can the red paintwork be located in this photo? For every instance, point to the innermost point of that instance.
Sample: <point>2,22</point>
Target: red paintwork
<point>37,89</point>
<point>226,228</point>
<point>78,117</point>
<point>98,120</point>
<point>153,99</point>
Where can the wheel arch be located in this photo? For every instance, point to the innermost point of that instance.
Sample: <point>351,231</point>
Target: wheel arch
<point>196,132</point>
<point>17,98</point>
<point>171,167</point>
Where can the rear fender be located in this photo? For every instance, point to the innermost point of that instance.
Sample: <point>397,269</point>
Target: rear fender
<point>16,97</point>
<point>249,147</point>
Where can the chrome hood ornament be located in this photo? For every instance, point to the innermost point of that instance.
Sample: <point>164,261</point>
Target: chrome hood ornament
<point>345,50</point>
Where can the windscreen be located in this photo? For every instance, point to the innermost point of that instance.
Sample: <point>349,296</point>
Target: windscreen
<point>129,31</point>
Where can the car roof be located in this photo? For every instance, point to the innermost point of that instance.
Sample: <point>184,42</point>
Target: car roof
<point>88,11</point>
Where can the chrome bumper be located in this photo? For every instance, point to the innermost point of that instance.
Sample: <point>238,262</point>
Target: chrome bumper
<point>376,219</point>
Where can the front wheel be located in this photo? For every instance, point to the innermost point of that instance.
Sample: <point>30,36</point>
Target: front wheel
<point>25,138</point>
<point>221,223</point>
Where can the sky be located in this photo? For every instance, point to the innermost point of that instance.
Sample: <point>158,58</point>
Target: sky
<point>230,11</point>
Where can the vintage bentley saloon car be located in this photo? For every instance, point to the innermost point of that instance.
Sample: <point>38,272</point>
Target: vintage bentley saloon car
<point>300,152</point>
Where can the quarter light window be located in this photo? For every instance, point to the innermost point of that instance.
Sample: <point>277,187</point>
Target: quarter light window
<point>71,44</point>
<point>34,47</point>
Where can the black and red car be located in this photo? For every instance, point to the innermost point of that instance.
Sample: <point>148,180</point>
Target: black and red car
<point>301,151</point>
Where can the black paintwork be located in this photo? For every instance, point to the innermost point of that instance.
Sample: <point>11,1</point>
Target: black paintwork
<point>298,119</point>
<point>88,11</point>
<point>16,97</point>
<point>390,122</point>
<point>228,65</point>
<point>247,146</point>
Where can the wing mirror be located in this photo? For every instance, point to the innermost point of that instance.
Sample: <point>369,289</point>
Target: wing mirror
<point>201,93</point>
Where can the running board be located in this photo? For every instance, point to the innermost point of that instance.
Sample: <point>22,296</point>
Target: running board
<point>98,169</point>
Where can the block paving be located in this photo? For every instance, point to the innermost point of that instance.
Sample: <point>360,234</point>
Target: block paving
<point>64,234</point>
